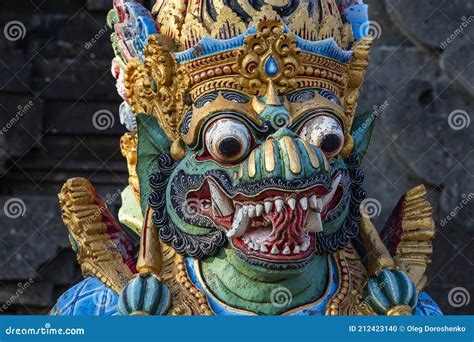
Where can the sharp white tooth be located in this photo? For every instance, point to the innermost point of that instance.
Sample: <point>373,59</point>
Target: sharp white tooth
<point>251,210</point>
<point>313,202</point>
<point>240,224</point>
<point>292,203</point>
<point>287,251</point>
<point>258,210</point>
<point>304,248</point>
<point>313,222</point>
<point>327,198</point>
<point>221,204</point>
<point>246,239</point>
<point>304,203</point>
<point>263,249</point>
<point>319,205</point>
<point>275,250</point>
<point>250,245</point>
<point>268,206</point>
<point>279,204</point>
<point>297,250</point>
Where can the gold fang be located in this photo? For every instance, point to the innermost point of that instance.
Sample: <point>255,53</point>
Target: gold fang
<point>312,155</point>
<point>293,155</point>
<point>252,168</point>
<point>269,156</point>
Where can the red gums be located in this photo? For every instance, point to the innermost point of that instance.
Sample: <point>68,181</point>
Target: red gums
<point>287,227</point>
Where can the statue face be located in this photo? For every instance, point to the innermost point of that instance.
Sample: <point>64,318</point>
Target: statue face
<point>260,129</point>
<point>266,172</point>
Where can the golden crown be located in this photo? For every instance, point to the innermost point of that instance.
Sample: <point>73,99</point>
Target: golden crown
<point>194,53</point>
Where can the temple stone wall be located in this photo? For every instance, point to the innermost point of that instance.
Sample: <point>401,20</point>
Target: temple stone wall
<point>56,75</point>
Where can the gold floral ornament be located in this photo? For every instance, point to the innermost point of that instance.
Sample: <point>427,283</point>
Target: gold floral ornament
<point>157,86</point>
<point>128,147</point>
<point>269,56</point>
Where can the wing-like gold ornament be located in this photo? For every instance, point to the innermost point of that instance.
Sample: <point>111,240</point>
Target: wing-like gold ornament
<point>97,254</point>
<point>414,251</point>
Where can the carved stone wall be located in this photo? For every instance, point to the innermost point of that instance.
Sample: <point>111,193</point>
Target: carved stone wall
<point>55,79</point>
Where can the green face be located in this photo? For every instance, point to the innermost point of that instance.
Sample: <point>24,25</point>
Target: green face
<point>278,193</point>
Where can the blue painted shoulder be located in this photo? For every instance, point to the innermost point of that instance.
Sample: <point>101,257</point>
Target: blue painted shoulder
<point>427,306</point>
<point>90,297</point>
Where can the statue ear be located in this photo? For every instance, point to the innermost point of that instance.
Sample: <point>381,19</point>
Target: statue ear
<point>362,131</point>
<point>152,141</point>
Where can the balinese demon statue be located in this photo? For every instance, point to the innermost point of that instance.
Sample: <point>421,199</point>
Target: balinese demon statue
<point>245,194</point>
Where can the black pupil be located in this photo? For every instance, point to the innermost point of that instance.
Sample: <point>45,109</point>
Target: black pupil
<point>330,143</point>
<point>230,147</point>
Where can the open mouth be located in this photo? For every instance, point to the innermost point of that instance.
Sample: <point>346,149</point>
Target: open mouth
<point>275,225</point>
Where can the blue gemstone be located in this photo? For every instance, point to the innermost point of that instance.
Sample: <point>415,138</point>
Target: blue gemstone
<point>271,66</point>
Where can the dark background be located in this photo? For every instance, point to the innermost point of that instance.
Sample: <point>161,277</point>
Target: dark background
<point>420,78</point>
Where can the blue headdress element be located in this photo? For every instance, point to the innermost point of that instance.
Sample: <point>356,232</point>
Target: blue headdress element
<point>208,46</point>
<point>133,24</point>
<point>357,16</point>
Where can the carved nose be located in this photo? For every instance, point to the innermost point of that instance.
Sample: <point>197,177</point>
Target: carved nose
<point>283,157</point>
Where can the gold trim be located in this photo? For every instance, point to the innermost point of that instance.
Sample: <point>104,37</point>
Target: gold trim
<point>352,277</point>
<point>194,298</point>
<point>129,148</point>
<point>400,310</point>
<point>220,104</point>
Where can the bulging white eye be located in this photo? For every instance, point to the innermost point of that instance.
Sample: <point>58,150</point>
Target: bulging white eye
<point>326,133</point>
<point>228,140</point>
